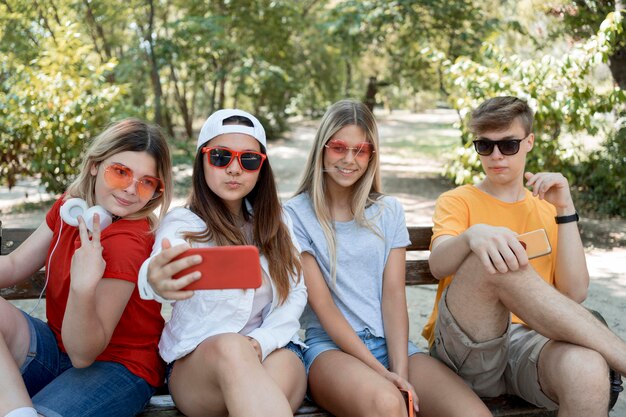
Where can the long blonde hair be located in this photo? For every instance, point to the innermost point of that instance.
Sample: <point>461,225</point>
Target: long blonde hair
<point>364,193</point>
<point>132,135</point>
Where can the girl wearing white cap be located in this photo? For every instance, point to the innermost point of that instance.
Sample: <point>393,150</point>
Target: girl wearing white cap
<point>231,352</point>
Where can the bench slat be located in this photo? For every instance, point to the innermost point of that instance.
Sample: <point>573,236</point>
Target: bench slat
<point>418,273</point>
<point>420,238</point>
<point>28,289</point>
<point>503,406</point>
<point>12,238</point>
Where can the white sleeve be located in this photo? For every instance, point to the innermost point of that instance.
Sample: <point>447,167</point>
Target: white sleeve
<point>173,227</point>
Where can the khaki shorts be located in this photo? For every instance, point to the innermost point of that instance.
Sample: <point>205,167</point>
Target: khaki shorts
<point>505,365</point>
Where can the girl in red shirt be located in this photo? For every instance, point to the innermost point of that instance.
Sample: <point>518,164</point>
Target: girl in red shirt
<point>97,353</point>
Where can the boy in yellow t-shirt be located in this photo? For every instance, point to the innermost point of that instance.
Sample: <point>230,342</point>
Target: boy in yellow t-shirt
<point>558,359</point>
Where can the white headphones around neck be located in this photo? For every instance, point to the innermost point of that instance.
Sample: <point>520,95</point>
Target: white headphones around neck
<point>74,207</point>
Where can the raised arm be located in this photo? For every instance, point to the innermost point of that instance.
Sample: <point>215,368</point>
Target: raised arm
<point>95,304</point>
<point>155,280</point>
<point>571,274</point>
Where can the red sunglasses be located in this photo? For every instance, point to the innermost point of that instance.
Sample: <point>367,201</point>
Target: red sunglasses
<point>362,151</point>
<point>119,176</point>
<point>222,157</point>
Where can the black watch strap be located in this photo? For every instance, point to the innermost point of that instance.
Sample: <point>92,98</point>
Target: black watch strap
<point>567,219</point>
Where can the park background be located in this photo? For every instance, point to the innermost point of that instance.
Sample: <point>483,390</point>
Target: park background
<point>69,67</point>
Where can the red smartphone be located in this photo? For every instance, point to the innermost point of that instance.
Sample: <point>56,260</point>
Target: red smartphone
<point>224,267</point>
<point>536,243</point>
<point>408,400</point>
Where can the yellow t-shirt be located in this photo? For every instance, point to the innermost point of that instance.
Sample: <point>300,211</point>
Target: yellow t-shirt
<point>465,206</point>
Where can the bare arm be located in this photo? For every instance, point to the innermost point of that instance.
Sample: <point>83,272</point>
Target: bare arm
<point>94,304</point>
<point>496,247</point>
<point>27,259</point>
<point>395,313</point>
<point>396,319</point>
<point>571,274</point>
<point>162,267</point>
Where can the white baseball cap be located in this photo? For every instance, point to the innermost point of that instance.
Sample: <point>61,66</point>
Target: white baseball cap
<point>214,126</point>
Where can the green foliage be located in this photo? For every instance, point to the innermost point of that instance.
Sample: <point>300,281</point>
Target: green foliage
<point>49,109</point>
<point>69,67</point>
<point>560,90</point>
<point>603,189</point>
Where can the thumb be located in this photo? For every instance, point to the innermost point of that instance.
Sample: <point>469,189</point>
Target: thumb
<point>165,243</point>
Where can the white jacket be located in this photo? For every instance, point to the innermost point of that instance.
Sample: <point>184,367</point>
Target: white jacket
<point>211,312</point>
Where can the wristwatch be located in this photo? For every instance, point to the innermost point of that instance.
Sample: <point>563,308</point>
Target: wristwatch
<point>567,219</point>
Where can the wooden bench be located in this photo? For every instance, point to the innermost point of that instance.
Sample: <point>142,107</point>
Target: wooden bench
<point>417,273</point>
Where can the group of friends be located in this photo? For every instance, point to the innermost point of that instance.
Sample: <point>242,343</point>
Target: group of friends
<point>333,263</point>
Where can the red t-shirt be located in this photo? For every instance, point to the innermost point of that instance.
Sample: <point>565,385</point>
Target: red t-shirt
<point>126,244</point>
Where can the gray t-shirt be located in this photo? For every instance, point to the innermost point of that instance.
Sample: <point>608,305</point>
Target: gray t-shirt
<point>361,258</point>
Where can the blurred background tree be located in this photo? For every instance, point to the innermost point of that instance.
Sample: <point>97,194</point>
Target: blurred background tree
<point>69,67</point>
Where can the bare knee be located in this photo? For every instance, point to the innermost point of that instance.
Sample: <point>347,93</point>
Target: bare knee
<point>14,331</point>
<point>476,276</point>
<point>581,377</point>
<point>228,352</point>
<point>586,365</point>
<point>388,402</point>
<point>593,371</point>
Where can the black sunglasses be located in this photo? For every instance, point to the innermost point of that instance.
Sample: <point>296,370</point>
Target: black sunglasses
<point>507,147</point>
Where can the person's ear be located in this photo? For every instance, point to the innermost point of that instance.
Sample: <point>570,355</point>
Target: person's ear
<point>93,170</point>
<point>530,142</point>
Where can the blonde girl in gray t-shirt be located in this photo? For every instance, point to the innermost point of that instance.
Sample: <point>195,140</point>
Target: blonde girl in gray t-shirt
<point>353,243</point>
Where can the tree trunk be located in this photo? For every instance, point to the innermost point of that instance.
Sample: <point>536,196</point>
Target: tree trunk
<point>154,69</point>
<point>222,98</point>
<point>370,93</point>
<point>99,31</point>
<point>348,84</point>
<point>181,100</point>
<point>617,63</point>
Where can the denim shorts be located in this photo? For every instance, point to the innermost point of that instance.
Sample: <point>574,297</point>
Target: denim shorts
<point>318,342</point>
<point>58,389</point>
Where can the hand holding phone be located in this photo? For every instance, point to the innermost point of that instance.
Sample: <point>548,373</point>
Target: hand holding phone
<point>536,243</point>
<point>224,267</point>
<point>408,400</point>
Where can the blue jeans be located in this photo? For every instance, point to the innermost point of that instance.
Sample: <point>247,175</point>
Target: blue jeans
<point>318,342</point>
<point>58,389</point>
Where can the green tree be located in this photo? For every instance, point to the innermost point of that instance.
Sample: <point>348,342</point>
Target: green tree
<point>52,97</point>
<point>565,97</point>
<point>581,19</point>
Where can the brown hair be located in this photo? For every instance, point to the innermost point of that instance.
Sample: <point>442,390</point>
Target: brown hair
<point>132,135</point>
<point>270,234</point>
<point>498,113</point>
